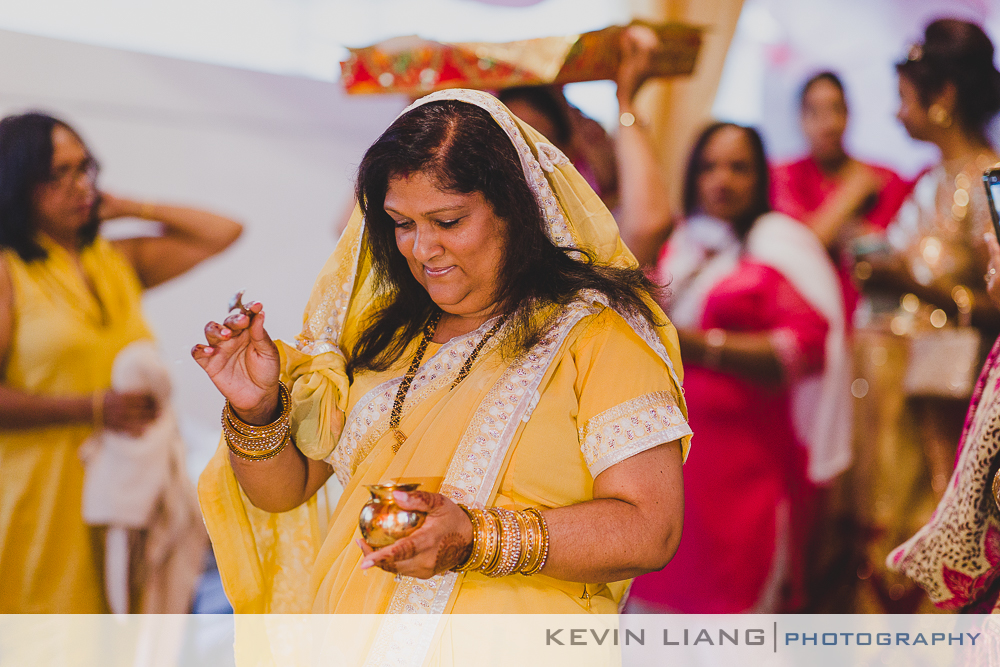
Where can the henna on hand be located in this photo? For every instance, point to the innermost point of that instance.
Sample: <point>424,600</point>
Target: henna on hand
<point>403,550</point>
<point>452,552</point>
<point>387,565</point>
<point>433,501</point>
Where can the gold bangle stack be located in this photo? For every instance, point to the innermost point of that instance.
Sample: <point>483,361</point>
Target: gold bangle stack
<point>258,443</point>
<point>505,542</point>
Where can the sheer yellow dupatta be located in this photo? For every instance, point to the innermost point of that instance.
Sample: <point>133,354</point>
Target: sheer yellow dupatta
<point>266,560</point>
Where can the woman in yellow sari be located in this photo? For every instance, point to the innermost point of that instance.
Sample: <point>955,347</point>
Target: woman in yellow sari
<point>69,302</point>
<point>541,375</point>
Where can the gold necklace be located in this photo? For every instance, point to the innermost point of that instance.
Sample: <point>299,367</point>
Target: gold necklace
<point>411,373</point>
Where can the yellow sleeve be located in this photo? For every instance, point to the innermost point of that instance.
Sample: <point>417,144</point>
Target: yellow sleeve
<point>628,401</point>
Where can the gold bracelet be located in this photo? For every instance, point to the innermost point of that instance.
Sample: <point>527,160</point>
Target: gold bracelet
<point>491,550</point>
<point>524,532</point>
<point>258,443</point>
<point>543,549</point>
<point>251,431</point>
<point>510,544</point>
<point>535,530</point>
<point>258,455</point>
<point>477,543</point>
<point>97,408</point>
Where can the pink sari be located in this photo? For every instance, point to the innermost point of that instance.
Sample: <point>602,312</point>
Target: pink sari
<point>746,485</point>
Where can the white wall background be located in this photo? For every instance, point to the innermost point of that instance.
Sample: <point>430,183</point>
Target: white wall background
<point>277,153</point>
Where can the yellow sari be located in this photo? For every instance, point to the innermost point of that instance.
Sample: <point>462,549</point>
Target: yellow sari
<point>64,343</point>
<point>532,431</point>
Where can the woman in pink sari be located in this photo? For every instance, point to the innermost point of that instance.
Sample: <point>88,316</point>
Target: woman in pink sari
<point>760,318</point>
<point>847,202</point>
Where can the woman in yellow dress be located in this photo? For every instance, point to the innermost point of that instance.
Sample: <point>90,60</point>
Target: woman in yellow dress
<point>69,302</point>
<point>542,375</point>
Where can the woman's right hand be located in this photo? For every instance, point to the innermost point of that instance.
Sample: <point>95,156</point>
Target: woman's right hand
<point>243,363</point>
<point>129,412</point>
<point>638,46</point>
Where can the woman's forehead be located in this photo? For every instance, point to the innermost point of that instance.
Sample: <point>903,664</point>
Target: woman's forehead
<point>424,193</point>
<point>66,146</point>
<point>728,143</point>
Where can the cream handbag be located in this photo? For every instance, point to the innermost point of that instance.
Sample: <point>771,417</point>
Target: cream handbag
<point>943,363</point>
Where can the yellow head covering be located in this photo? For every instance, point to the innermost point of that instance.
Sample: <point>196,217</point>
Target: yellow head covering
<point>575,217</point>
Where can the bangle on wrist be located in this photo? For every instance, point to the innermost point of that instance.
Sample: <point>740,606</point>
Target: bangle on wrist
<point>715,340</point>
<point>505,542</point>
<point>258,443</point>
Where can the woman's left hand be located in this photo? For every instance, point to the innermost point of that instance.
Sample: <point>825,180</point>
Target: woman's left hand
<point>443,542</point>
<point>111,207</point>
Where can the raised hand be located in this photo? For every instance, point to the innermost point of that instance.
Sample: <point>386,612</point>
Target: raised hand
<point>242,361</point>
<point>443,542</point>
<point>111,207</point>
<point>638,45</point>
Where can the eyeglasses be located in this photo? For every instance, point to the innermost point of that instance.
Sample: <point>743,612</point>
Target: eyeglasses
<point>68,174</point>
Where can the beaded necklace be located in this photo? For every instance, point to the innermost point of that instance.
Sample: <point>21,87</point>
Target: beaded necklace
<point>411,372</point>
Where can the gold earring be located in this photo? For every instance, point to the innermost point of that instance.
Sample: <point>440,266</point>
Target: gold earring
<point>939,115</point>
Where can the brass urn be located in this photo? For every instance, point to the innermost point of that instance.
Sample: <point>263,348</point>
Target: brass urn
<point>383,521</point>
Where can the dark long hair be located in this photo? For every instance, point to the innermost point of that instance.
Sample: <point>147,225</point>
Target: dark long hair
<point>761,202</point>
<point>25,163</point>
<point>463,150</point>
<point>959,53</point>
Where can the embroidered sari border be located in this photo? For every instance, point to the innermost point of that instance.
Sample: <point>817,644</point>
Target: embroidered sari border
<point>630,428</point>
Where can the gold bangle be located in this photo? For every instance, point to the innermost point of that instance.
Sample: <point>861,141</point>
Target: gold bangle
<point>510,544</point>
<point>491,551</point>
<point>146,210</point>
<point>476,542</point>
<point>255,455</point>
<point>250,430</point>
<point>485,531</point>
<point>526,542</point>
<point>258,443</point>
<point>535,530</point>
<point>543,550</point>
<point>97,409</point>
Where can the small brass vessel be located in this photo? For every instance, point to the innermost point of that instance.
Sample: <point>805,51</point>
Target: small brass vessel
<point>382,521</point>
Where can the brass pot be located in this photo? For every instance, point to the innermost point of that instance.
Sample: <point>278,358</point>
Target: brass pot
<point>382,521</point>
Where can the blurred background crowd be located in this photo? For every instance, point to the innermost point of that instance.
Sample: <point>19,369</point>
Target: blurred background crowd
<point>811,195</point>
